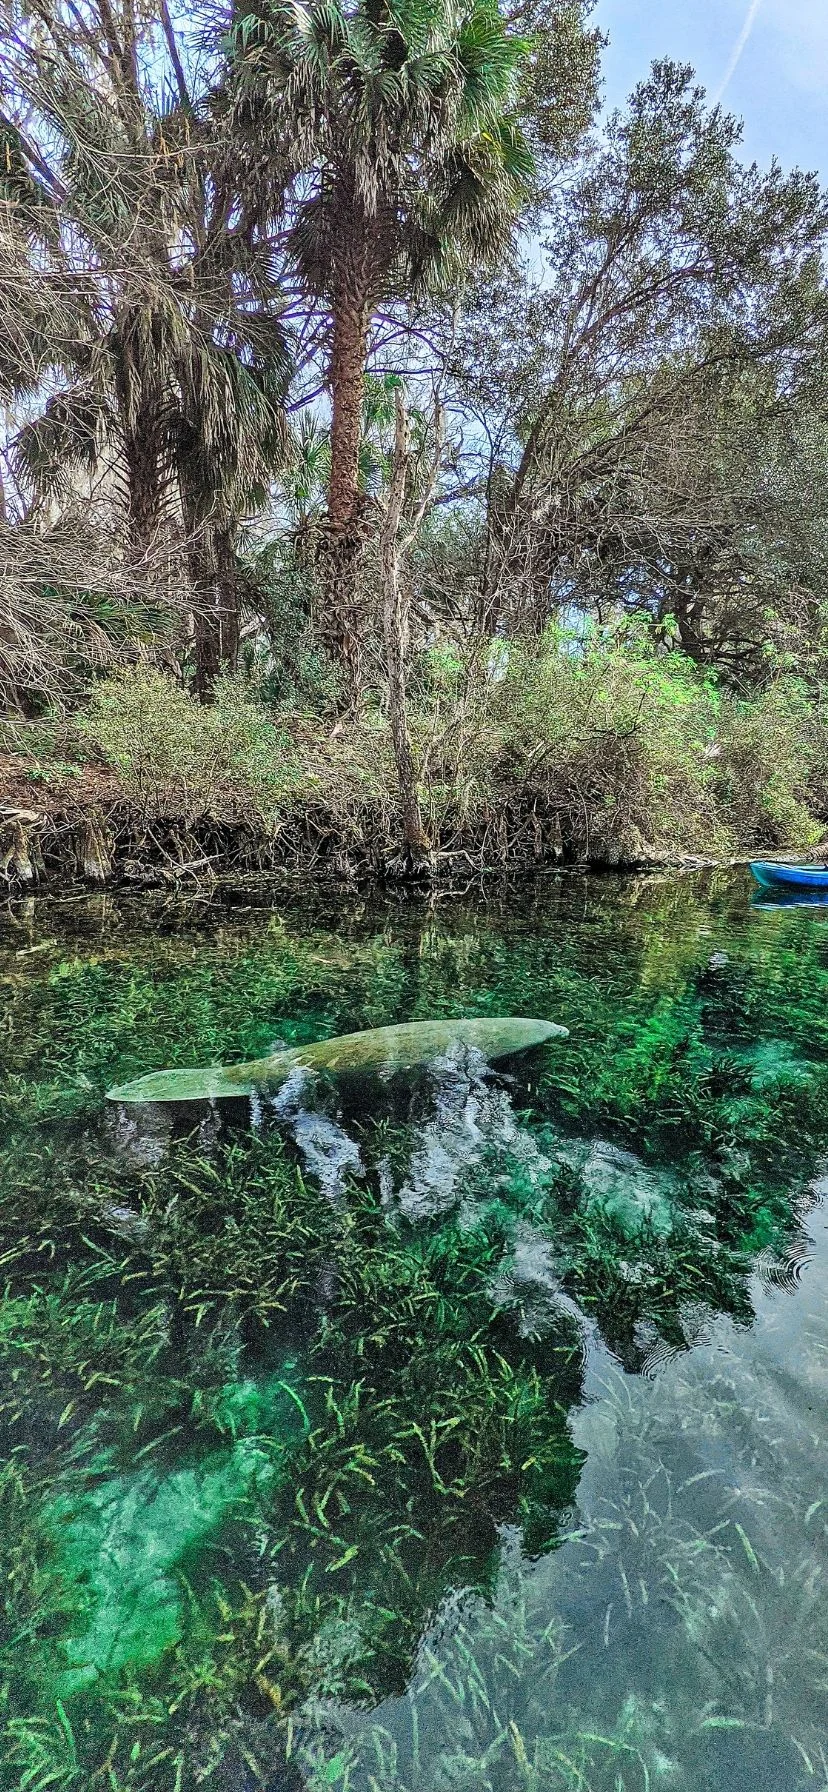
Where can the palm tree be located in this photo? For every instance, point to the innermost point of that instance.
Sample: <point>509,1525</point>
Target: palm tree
<point>385,134</point>
<point>172,372</point>
<point>230,437</point>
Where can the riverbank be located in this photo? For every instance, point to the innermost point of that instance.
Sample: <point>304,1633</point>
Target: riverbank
<point>89,831</point>
<point>95,834</point>
<point>620,760</point>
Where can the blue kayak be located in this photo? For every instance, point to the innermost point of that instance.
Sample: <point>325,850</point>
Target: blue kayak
<point>800,877</point>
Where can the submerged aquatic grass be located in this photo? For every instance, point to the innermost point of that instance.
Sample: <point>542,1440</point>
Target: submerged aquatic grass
<point>491,1467</point>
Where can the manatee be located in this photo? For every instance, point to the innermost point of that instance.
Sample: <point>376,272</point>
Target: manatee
<point>384,1050</point>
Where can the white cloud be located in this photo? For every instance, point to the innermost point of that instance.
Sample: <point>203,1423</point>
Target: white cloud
<point>738,49</point>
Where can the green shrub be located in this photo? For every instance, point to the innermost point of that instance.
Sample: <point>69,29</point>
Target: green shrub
<point>628,748</point>
<point>287,665</point>
<point>774,748</point>
<point>178,757</point>
<point>610,735</point>
<point>618,748</point>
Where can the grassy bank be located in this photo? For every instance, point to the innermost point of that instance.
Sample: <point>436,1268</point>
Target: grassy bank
<point>609,753</point>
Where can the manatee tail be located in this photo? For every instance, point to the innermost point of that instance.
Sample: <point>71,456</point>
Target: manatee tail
<point>211,1084</point>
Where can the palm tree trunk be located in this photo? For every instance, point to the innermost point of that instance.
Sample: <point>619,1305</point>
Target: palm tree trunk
<point>145,485</point>
<point>214,576</point>
<point>347,378</point>
<point>340,550</point>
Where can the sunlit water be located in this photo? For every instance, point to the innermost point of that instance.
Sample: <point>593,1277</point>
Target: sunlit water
<point>465,1431</point>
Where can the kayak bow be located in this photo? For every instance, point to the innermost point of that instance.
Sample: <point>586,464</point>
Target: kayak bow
<point>800,877</point>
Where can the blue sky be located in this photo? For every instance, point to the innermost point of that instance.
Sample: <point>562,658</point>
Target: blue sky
<point>779,85</point>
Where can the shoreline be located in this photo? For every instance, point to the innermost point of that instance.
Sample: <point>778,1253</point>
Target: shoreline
<point>66,843</point>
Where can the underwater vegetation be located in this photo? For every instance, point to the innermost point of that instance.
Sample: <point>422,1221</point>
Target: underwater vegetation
<point>458,1431</point>
<point>679,1635</point>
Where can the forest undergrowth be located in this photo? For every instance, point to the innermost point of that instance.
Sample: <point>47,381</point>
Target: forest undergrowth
<point>605,751</point>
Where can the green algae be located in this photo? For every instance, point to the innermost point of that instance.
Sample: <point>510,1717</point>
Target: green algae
<point>119,1551</point>
<point>770,1062</point>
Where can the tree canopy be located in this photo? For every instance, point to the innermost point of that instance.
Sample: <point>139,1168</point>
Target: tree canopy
<point>228,239</point>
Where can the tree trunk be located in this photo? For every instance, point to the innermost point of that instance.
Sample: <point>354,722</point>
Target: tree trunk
<point>396,626</point>
<point>347,380</point>
<point>342,541</point>
<point>143,448</point>
<point>688,608</point>
<point>414,835</point>
<point>216,607</point>
<point>227,590</point>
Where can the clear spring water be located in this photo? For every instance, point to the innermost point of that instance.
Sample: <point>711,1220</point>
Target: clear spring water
<point>466,1432</point>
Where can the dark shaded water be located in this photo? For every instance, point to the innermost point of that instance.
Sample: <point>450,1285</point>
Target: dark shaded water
<point>462,1432</point>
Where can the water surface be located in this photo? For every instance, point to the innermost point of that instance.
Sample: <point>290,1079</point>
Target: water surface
<point>459,1431</point>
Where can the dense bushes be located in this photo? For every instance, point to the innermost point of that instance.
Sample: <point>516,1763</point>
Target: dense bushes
<point>177,757</point>
<point>610,738</point>
<point>601,747</point>
<point>636,749</point>
<point>773,779</point>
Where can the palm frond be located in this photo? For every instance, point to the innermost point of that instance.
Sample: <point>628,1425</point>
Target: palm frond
<point>69,436</point>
